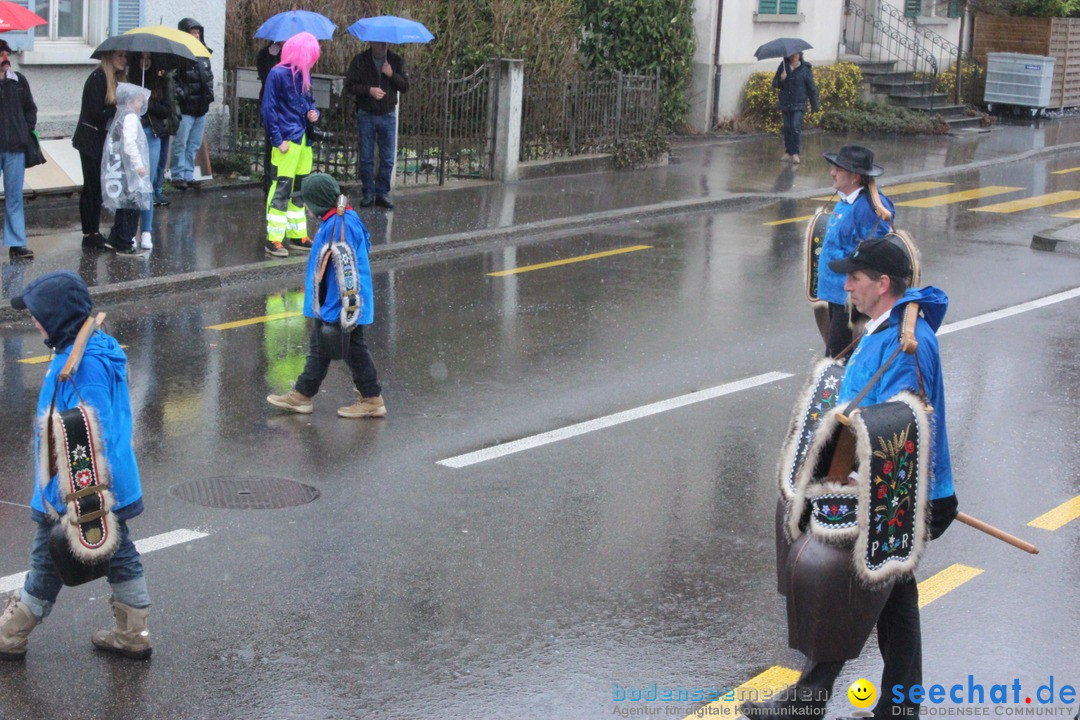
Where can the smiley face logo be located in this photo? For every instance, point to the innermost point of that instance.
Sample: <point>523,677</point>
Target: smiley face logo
<point>862,693</point>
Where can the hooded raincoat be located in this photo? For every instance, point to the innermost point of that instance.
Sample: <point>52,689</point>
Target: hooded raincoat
<point>125,163</point>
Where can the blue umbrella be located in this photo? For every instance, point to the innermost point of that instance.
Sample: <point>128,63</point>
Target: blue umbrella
<point>390,29</point>
<point>283,26</point>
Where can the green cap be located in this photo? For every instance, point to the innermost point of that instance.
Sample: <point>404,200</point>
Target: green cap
<point>319,192</point>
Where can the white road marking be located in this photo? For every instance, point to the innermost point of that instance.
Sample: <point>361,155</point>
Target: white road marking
<point>588,426</point>
<point>146,545</point>
<point>534,441</point>
<point>1008,312</point>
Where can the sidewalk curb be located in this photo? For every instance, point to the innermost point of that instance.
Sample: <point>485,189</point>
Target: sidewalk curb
<point>1063,239</point>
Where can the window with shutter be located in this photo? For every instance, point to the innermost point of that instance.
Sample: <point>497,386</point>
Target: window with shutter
<point>912,8</point>
<point>124,15</point>
<point>954,8</point>
<point>767,7</point>
<point>789,7</point>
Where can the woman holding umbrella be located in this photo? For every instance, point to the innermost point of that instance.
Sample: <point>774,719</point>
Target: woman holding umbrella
<point>795,81</point>
<point>98,108</point>
<point>288,111</point>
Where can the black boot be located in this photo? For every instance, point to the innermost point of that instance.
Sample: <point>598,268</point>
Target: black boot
<point>20,254</point>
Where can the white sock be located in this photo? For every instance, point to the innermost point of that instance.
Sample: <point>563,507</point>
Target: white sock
<point>147,243</point>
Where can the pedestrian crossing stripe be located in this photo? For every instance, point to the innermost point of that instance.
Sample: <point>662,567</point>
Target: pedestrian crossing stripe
<point>790,220</point>
<point>1031,202</point>
<point>1059,516</point>
<point>903,188</point>
<point>961,196</point>
<point>1066,171</point>
<point>945,581</point>
<point>761,687</point>
<point>1069,214</point>
<point>254,321</point>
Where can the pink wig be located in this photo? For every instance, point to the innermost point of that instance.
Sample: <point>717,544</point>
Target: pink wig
<point>300,53</point>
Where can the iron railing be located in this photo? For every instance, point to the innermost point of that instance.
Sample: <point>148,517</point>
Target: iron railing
<point>889,38</point>
<point>590,112</point>
<point>966,72</point>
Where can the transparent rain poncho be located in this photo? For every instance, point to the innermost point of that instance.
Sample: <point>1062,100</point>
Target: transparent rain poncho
<point>125,162</point>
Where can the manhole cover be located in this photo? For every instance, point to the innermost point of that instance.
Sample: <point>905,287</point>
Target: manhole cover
<point>245,493</point>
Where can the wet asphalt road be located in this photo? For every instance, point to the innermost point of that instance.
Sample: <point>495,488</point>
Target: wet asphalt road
<point>526,586</point>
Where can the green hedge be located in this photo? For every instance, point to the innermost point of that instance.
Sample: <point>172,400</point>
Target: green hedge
<point>838,89</point>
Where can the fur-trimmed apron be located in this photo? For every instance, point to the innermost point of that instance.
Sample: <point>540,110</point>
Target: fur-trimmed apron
<point>72,448</point>
<point>852,515</point>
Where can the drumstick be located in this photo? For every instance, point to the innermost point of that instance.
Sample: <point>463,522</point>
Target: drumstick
<point>999,534</point>
<point>908,343</point>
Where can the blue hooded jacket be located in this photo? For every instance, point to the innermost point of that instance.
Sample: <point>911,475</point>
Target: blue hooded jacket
<point>60,301</point>
<point>872,352</point>
<point>356,235</point>
<point>849,225</point>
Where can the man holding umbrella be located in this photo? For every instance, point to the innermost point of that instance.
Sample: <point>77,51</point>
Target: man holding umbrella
<point>795,81</point>
<point>375,77</point>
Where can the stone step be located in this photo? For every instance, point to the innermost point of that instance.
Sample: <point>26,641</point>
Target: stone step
<point>919,101</point>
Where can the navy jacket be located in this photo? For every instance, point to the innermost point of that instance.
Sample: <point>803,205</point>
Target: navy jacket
<point>18,114</point>
<point>798,89</point>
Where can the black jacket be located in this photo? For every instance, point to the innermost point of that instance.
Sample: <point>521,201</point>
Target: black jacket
<point>18,114</point>
<point>363,74</point>
<point>195,85</point>
<point>798,88</point>
<point>94,116</point>
<point>264,63</point>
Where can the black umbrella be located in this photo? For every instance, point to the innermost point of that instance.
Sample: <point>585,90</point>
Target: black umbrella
<point>137,41</point>
<point>781,48</point>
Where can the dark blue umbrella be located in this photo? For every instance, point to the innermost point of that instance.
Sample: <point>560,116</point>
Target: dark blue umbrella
<point>283,26</point>
<point>390,29</point>
<point>781,48</point>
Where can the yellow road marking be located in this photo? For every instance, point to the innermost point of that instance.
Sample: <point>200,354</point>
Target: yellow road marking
<point>567,261</point>
<point>1032,202</point>
<point>1063,172</point>
<point>948,579</point>
<point>254,321</point>
<point>1069,214</point>
<point>760,687</point>
<point>955,197</point>
<point>36,359</point>
<point>1063,513</point>
<point>789,220</point>
<point>903,188</point>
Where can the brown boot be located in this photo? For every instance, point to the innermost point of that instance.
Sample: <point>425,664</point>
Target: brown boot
<point>130,637</point>
<point>16,622</point>
<point>364,407</point>
<point>292,400</point>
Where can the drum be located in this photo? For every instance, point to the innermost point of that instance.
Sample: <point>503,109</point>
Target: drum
<point>815,238</point>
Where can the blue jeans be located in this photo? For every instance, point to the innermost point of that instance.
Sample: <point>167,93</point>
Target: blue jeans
<point>153,143</point>
<point>186,143</point>
<point>792,129</point>
<point>126,578</point>
<point>14,166</point>
<point>162,163</point>
<point>381,131</point>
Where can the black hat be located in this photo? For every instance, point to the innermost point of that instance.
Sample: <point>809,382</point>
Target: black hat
<point>4,47</point>
<point>319,192</point>
<point>856,159</point>
<point>885,255</point>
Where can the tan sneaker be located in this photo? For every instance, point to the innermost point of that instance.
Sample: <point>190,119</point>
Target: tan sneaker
<point>364,407</point>
<point>795,160</point>
<point>291,400</point>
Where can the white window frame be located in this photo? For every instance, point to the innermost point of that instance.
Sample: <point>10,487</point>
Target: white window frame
<point>71,51</point>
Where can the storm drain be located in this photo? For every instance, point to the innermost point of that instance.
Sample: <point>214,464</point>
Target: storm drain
<point>245,493</point>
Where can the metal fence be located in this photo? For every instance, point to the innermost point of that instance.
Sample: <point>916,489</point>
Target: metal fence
<point>591,112</point>
<point>446,126</point>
